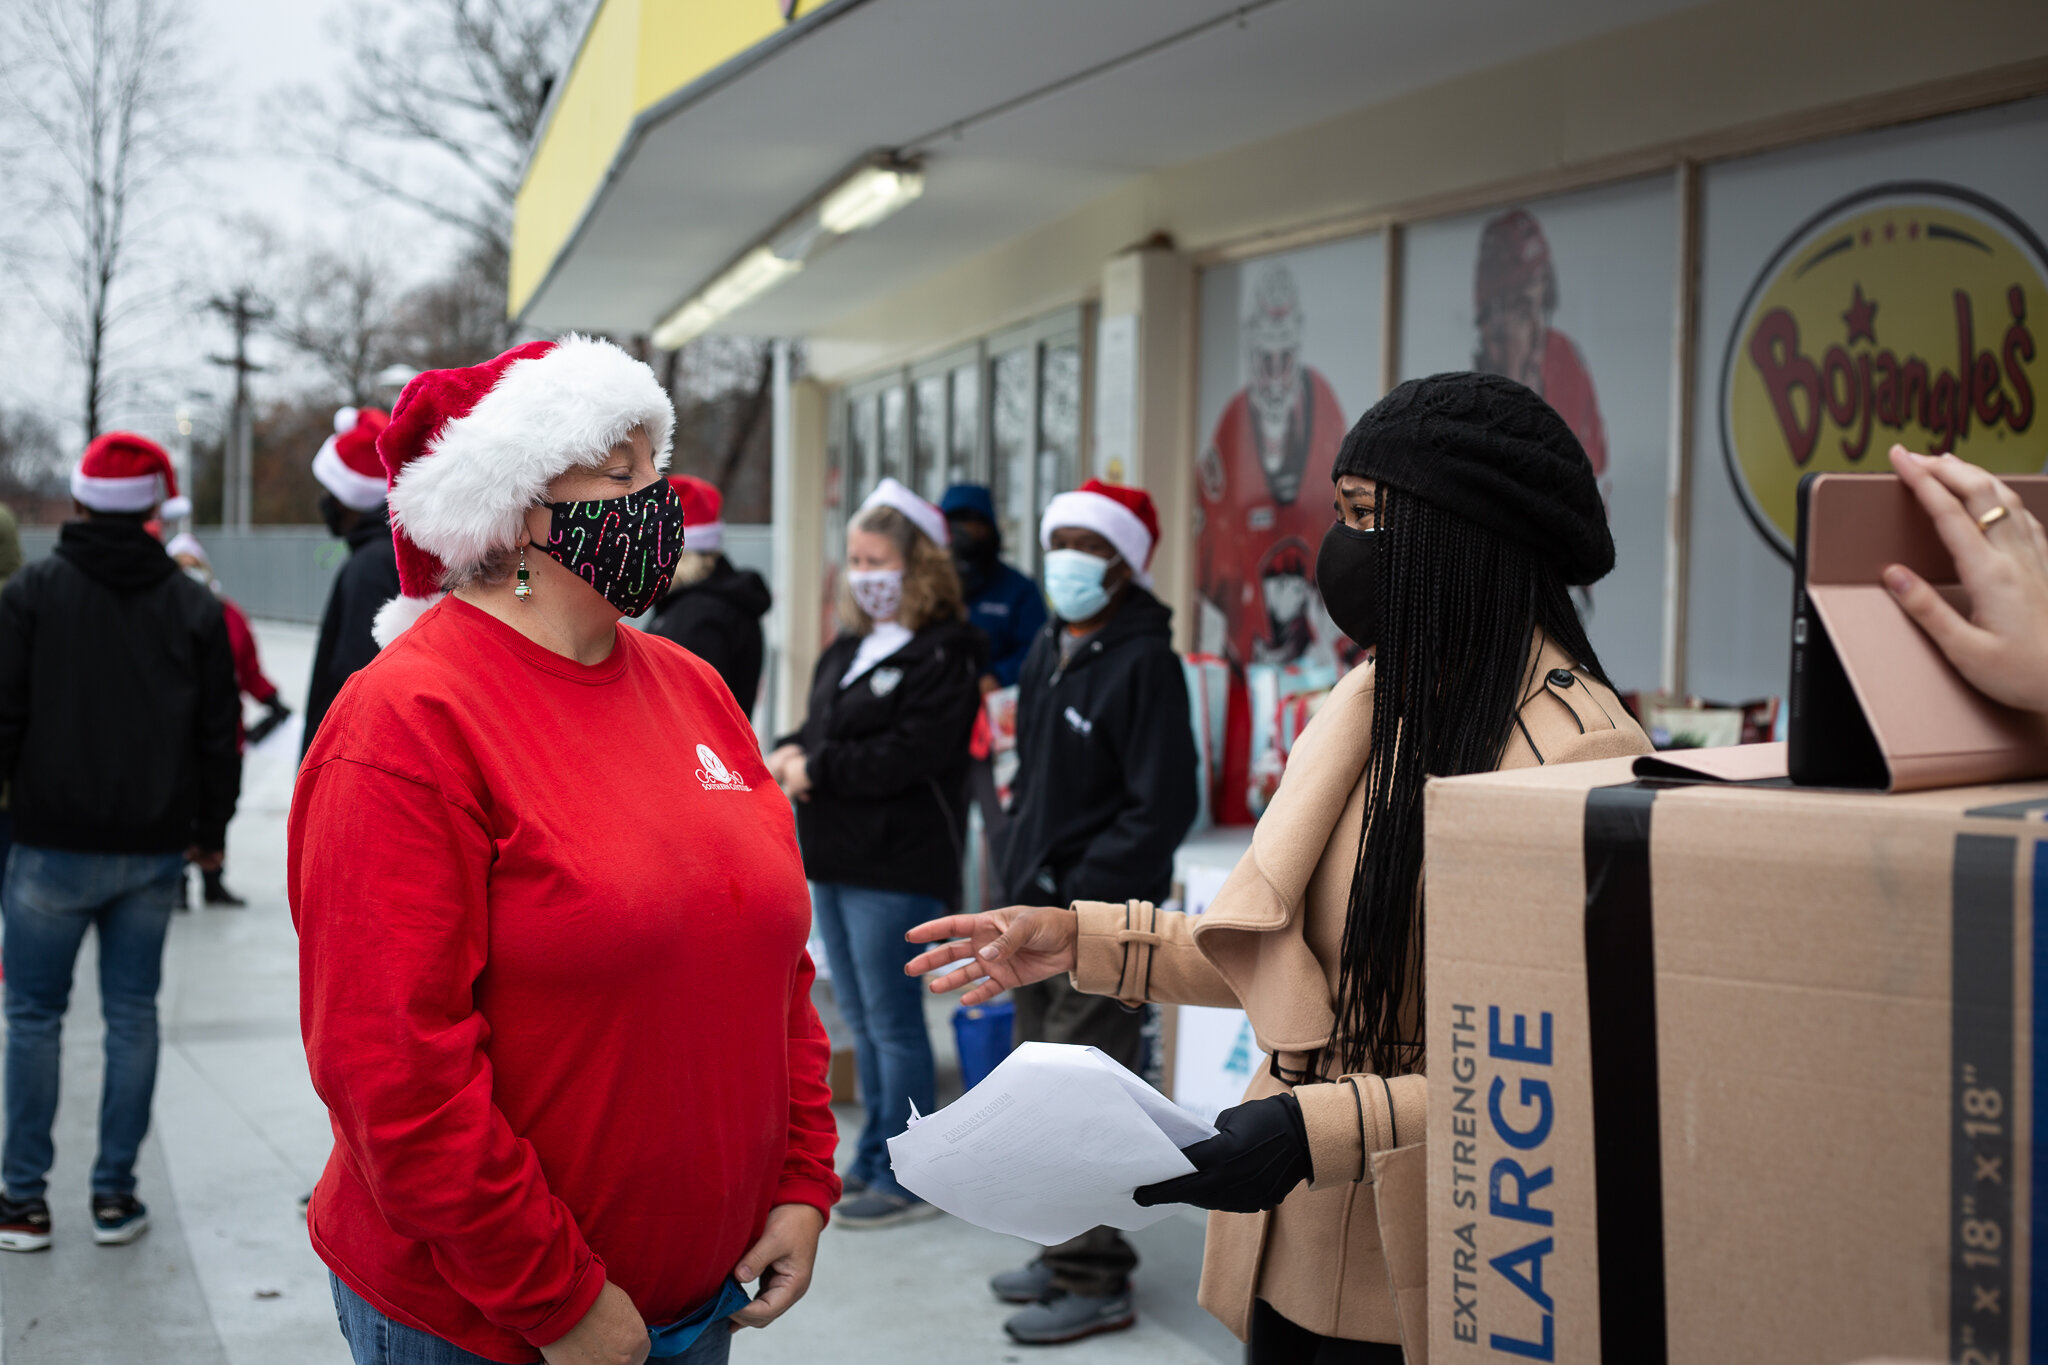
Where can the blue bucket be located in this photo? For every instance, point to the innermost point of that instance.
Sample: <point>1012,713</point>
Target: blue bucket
<point>983,1034</point>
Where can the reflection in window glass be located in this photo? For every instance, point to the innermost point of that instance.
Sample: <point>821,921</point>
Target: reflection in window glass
<point>861,433</point>
<point>928,448</point>
<point>1059,422</point>
<point>966,382</point>
<point>836,460</point>
<point>895,435</point>
<point>1010,442</point>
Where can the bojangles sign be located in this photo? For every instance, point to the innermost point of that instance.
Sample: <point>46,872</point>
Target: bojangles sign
<point>1906,312</point>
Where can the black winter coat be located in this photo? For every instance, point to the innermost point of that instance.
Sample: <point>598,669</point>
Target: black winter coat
<point>120,720</point>
<point>366,582</point>
<point>887,757</point>
<point>718,619</point>
<point>1106,777</point>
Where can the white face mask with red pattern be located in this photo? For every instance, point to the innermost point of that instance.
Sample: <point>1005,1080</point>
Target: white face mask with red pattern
<point>878,591</point>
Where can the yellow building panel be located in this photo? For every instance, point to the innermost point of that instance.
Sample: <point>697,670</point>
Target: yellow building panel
<point>636,54</point>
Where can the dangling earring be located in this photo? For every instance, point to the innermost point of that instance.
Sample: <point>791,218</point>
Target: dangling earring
<point>523,589</point>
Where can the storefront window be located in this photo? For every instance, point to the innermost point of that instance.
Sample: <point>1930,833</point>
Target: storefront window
<point>928,447</point>
<point>1059,423</point>
<point>863,444</point>
<point>895,435</point>
<point>965,382</point>
<point>1011,441</point>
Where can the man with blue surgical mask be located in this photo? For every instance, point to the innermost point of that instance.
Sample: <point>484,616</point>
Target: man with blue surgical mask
<point>1106,789</point>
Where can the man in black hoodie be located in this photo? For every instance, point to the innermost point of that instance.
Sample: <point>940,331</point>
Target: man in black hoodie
<point>119,721</point>
<point>1106,789</point>
<point>353,508</point>
<point>713,609</point>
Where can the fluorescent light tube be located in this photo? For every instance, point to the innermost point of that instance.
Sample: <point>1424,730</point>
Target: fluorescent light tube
<point>868,196</point>
<point>745,280</point>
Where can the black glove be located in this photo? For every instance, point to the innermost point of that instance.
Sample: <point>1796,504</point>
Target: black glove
<point>1258,1156</point>
<point>276,714</point>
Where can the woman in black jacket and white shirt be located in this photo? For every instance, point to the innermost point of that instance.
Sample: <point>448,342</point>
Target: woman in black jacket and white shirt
<point>879,775</point>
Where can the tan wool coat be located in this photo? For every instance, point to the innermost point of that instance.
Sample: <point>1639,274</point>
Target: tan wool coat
<point>1343,1255</point>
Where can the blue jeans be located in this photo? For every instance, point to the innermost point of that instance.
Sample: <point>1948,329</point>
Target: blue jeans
<point>863,931</point>
<point>48,899</point>
<point>374,1339</point>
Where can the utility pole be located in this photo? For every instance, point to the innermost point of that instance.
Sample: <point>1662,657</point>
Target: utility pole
<point>244,310</point>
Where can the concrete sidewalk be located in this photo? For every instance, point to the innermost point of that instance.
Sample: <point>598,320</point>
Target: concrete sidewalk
<point>225,1275</point>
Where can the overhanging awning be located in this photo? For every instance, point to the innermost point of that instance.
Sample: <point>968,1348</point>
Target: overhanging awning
<point>1023,110</point>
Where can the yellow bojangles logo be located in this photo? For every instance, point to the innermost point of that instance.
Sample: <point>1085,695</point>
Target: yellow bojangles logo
<point>1906,312</point>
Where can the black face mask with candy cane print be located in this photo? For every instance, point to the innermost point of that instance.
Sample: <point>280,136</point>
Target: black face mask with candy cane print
<point>625,547</point>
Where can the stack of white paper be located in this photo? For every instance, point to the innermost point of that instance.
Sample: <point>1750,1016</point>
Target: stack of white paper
<point>1051,1144</point>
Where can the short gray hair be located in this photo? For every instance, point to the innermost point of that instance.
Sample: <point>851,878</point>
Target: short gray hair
<point>493,568</point>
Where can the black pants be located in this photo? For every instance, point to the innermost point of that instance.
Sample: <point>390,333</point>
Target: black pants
<point>1276,1341</point>
<point>1098,1262</point>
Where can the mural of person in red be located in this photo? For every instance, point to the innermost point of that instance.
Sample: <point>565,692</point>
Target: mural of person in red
<point>1514,295</point>
<point>1262,511</point>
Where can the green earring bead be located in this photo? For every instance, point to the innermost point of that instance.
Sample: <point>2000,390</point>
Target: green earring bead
<point>523,589</point>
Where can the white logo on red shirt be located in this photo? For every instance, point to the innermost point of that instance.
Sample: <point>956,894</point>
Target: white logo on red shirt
<point>715,775</point>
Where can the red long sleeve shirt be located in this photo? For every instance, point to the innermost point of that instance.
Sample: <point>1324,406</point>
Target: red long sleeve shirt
<point>554,988</point>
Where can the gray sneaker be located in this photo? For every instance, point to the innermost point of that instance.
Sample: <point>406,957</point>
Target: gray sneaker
<point>1026,1285</point>
<point>877,1210</point>
<point>1065,1317</point>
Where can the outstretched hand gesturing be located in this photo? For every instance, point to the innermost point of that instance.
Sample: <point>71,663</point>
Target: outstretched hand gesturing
<point>999,949</point>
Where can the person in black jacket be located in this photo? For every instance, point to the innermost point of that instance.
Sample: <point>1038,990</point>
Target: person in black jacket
<point>879,775</point>
<point>353,508</point>
<point>120,732</point>
<point>1106,789</point>
<point>713,609</point>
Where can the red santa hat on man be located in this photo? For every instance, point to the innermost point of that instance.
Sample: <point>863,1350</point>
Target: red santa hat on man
<point>468,451</point>
<point>703,527</point>
<point>123,472</point>
<point>347,465</point>
<point>1122,516</point>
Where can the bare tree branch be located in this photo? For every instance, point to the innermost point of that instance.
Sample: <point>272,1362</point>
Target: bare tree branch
<point>98,93</point>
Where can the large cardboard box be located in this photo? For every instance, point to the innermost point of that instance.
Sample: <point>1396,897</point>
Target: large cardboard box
<point>1732,1073</point>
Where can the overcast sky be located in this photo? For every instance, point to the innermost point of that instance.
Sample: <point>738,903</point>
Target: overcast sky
<point>258,57</point>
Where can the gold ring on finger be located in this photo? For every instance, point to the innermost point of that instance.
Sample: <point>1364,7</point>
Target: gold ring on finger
<point>1993,517</point>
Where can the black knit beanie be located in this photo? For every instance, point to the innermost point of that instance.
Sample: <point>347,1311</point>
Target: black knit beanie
<point>1489,450</point>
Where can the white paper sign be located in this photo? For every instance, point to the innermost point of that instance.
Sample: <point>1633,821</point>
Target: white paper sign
<point>1116,397</point>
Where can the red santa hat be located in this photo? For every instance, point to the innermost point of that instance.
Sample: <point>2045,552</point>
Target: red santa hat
<point>119,472</point>
<point>468,451</point>
<point>925,516</point>
<point>703,527</point>
<point>1122,516</point>
<point>347,465</point>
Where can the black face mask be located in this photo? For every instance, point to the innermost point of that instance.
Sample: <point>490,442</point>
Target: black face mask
<point>624,547</point>
<point>972,545</point>
<point>331,513</point>
<point>1348,576</point>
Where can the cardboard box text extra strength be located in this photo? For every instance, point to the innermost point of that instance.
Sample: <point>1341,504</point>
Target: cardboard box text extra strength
<point>1733,1073</point>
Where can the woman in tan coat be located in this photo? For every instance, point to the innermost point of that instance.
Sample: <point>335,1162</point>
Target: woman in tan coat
<point>1466,512</point>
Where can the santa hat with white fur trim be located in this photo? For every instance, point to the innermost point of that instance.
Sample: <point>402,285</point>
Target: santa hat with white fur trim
<point>703,505</point>
<point>120,472</point>
<point>469,451</point>
<point>347,465</point>
<point>1122,516</point>
<point>923,515</point>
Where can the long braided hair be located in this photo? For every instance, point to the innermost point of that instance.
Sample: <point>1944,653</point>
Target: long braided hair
<point>1458,608</point>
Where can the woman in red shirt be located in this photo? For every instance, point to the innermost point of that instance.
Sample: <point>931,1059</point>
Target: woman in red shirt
<point>576,1082</point>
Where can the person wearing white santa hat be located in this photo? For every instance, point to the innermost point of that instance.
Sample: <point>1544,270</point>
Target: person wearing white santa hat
<point>1106,789</point>
<point>578,1089</point>
<point>713,609</point>
<point>352,481</point>
<point>119,721</point>
<point>878,770</point>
